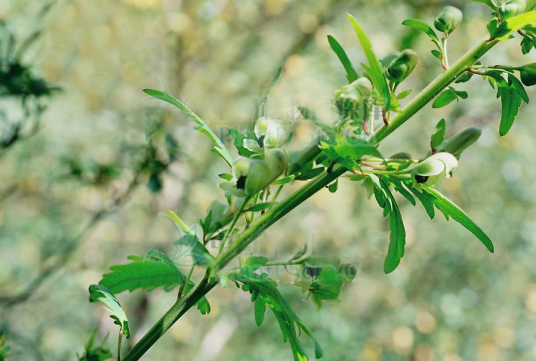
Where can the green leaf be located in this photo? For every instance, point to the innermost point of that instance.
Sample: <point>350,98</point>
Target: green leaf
<point>398,186</point>
<point>445,98</point>
<point>404,93</point>
<point>513,24</point>
<point>103,294</point>
<point>260,309</point>
<point>347,151</point>
<point>238,141</point>
<point>424,198</point>
<point>438,136</point>
<point>446,206</point>
<point>197,250</point>
<point>526,45</point>
<point>284,180</point>
<point>488,3</point>
<point>155,270</point>
<point>436,54</point>
<point>334,186</point>
<point>398,234</point>
<point>310,115</point>
<point>422,26</point>
<point>261,102</point>
<point>261,206</point>
<point>311,173</point>
<point>260,286</point>
<point>99,353</point>
<point>510,103</point>
<point>226,176</point>
<point>374,68</point>
<point>518,86</point>
<point>202,126</point>
<point>300,253</point>
<point>351,73</point>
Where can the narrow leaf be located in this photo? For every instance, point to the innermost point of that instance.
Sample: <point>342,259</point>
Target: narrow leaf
<point>102,294</point>
<point>202,126</point>
<point>446,206</point>
<point>260,309</point>
<point>351,73</point>
<point>510,103</point>
<point>375,68</point>
<point>403,94</point>
<point>261,102</point>
<point>422,26</point>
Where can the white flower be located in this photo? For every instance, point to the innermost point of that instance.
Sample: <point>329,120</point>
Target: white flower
<point>433,169</point>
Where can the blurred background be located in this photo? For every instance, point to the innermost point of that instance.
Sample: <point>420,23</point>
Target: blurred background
<point>89,165</point>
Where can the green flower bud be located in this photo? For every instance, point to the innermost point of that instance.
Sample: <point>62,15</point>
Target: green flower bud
<point>460,142</point>
<point>448,20</point>
<point>271,133</point>
<point>528,74</point>
<point>402,66</point>
<point>401,155</point>
<point>354,95</point>
<point>433,169</point>
<point>510,8</point>
<point>252,175</point>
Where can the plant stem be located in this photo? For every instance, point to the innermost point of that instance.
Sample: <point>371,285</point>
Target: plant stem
<point>299,196</point>
<point>119,344</point>
<point>435,87</point>
<point>235,219</point>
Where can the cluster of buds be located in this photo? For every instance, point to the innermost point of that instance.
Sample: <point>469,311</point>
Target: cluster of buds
<point>252,175</point>
<point>401,65</point>
<point>352,96</point>
<point>448,20</point>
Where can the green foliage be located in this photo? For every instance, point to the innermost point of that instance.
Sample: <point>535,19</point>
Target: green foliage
<point>260,286</point>
<point>348,151</point>
<point>202,127</point>
<point>438,136</point>
<point>104,295</point>
<point>97,353</point>
<point>448,96</point>
<point>502,30</point>
<point>4,349</point>
<point>351,73</point>
<point>261,102</point>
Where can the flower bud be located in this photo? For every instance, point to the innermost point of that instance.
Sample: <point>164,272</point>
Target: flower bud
<point>448,20</point>
<point>461,141</point>
<point>528,74</point>
<point>402,66</point>
<point>271,133</point>
<point>354,95</point>
<point>511,8</point>
<point>433,169</point>
<point>252,175</point>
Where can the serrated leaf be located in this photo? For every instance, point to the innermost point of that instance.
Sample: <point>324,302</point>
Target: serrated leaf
<point>202,126</point>
<point>261,206</point>
<point>422,26</point>
<point>404,93</point>
<point>438,136</point>
<point>261,102</point>
<point>510,103</point>
<point>518,86</point>
<point>260,309</point>
<point>155,270</point>
<point>103,294</point>
<point>513,24</point>
<point>446,206</point>
<point>351,73</point>
<point>374,68</point>
<point>444,99</point>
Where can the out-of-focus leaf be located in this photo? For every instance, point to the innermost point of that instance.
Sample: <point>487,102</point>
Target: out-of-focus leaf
<point>438,136</point>
<point>488,3</point>
<point>503,29</point>
<point>261,102</point>
<point>310,115</point>
<point>99,353</point>
<point>261,206</point>
<point>202,126</point>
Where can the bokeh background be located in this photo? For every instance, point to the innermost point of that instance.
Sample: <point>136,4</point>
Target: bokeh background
<point>91,173</point>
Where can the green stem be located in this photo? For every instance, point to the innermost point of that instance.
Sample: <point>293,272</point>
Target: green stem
<point>299,196</point>
<point>119,344</point>
<point>435,87</point>
<point>235,219</point>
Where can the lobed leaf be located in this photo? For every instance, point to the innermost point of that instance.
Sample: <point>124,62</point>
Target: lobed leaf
<point>103,294</point>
